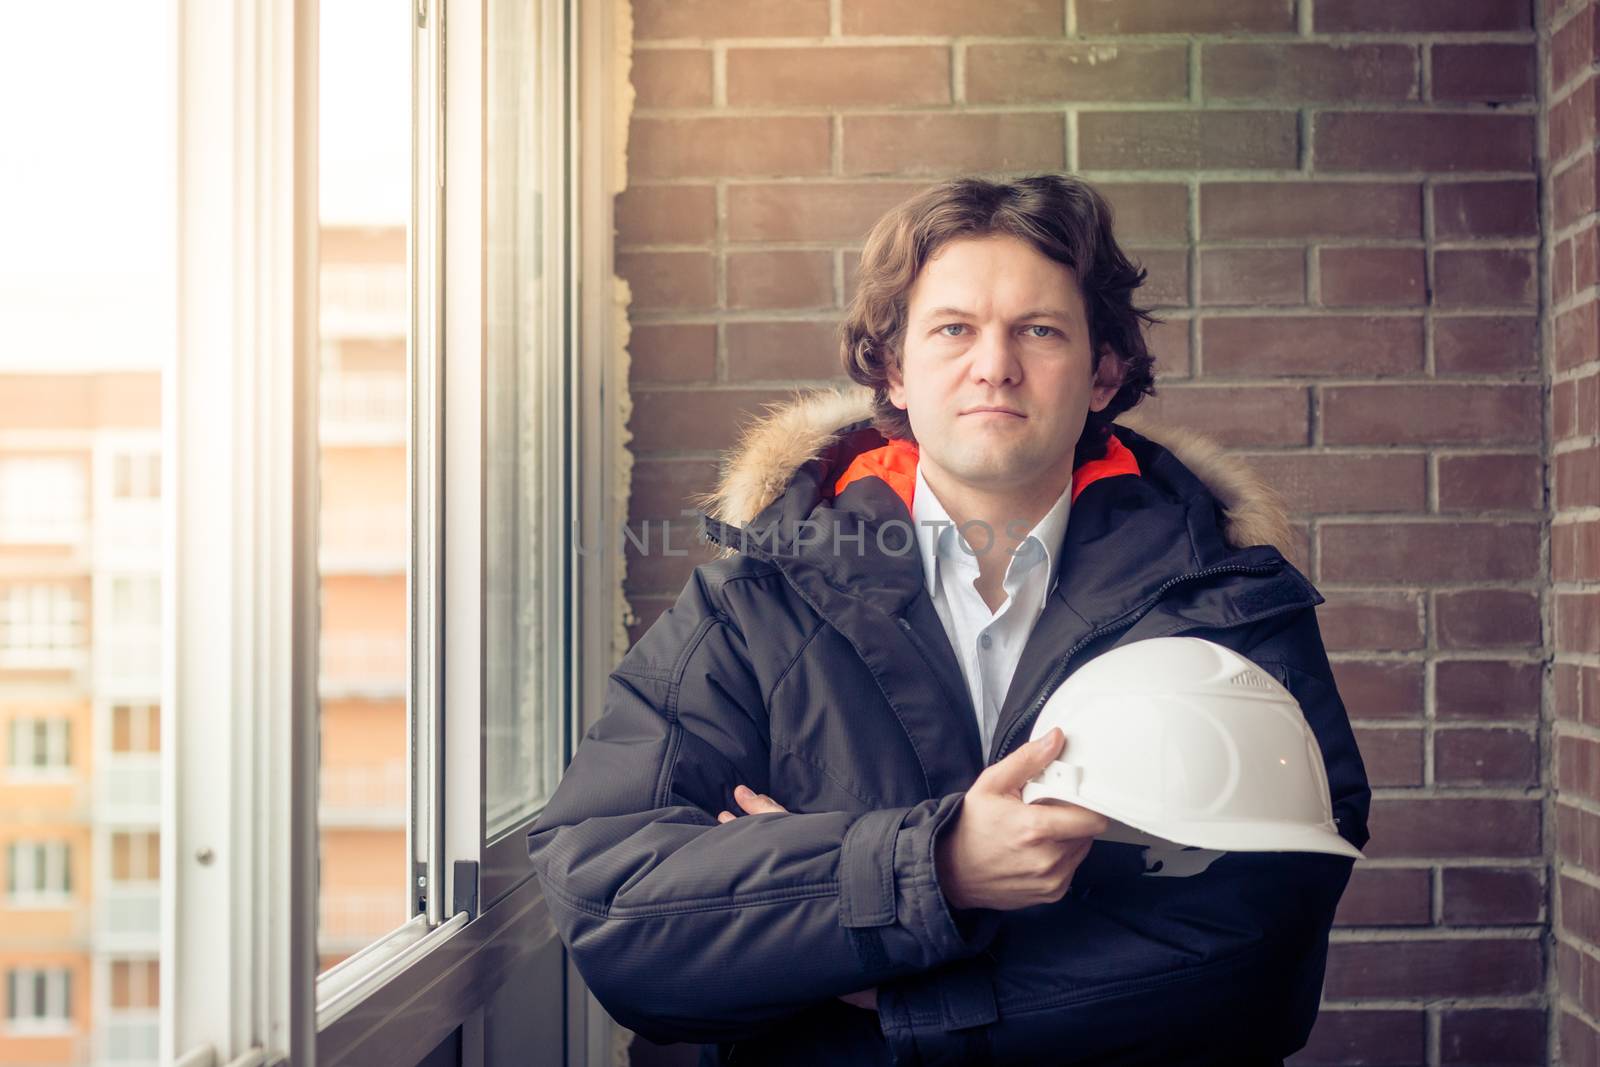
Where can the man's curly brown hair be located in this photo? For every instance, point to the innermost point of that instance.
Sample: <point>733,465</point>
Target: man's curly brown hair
<point>1064,217</point>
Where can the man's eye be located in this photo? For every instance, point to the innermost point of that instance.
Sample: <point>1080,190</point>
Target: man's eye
<point>1048,330</point>
<point>952,326</point>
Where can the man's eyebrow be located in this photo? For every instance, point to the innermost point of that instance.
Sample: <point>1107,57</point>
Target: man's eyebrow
<point>1031,313</point>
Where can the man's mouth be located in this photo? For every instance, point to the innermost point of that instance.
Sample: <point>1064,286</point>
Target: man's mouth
<point>994,410</point>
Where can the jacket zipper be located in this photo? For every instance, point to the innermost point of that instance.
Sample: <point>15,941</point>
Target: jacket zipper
<point>1126,620</point>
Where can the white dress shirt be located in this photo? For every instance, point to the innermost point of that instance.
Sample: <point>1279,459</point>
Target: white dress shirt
<point>987,644</point>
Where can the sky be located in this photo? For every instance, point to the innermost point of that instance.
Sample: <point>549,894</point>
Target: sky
<point>88,167</point>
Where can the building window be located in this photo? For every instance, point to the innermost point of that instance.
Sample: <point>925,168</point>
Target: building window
<point>38,872</point>
<point>40,617</point>
<point>134,984</point>
<point>135,857</point>
<point>135,728</point>
<point>40,745</point>
<point>39,998</point>
<point>41,500</point>
<point>136,475</point>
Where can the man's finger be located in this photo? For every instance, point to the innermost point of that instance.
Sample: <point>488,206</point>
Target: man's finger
<point>1063,821</point>
<point>1012,773</point>
<point>725,816</point>
<point>755,803</point>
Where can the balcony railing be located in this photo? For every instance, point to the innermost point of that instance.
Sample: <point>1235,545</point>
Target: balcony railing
<point>363,664</point>
<point>43,529</point>
<point>129,657</point>
<point>128,790</point>
<point>364,795</point>
<point>130,917</point>
<point>131,1037</point>
<point>367,406</point>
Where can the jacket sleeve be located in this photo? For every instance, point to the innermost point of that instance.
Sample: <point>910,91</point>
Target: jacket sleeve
<point>1225,965</point>
<point>690,930</point>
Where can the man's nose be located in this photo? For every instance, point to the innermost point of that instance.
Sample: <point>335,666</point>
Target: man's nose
<point>994,358</point>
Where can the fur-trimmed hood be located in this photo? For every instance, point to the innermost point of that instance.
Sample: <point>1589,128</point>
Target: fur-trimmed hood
<point>792,434</point>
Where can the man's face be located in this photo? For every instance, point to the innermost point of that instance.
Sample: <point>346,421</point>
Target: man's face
<point>996,375</point>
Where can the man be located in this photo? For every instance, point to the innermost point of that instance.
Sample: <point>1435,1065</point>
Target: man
<point>797,831</point>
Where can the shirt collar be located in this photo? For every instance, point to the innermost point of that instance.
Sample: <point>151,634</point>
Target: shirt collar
<point>936,531</point>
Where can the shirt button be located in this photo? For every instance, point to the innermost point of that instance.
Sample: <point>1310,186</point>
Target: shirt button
<point>985,640</point>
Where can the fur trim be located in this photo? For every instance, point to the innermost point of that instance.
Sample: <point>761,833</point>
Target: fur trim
<point>793,434</point>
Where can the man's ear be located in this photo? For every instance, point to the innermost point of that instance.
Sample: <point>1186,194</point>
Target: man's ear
<point>897,383</point>
<point>1107,379</point>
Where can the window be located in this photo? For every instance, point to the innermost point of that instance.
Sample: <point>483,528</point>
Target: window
<point>135,857</point>
<point>41,618</point>
<point>40,745</point>
<point>135,984</point>
<point>38,873</point>
<point>135,728</point>
<point>41,499</point>
<point>38,1000</point>
<point>136,475</point>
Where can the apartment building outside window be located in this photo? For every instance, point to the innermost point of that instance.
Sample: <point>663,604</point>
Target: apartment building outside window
<point>40,746</point>
<point>40,618</point>
<point>38,1000</point>
<point>39,873</point>
<point>41,500</point>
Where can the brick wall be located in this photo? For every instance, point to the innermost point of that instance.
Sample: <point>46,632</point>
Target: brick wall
<point>1573,362</point>
<point>1339,207</point>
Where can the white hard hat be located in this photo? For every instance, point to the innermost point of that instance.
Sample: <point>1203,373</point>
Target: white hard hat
<point>1181,740</point>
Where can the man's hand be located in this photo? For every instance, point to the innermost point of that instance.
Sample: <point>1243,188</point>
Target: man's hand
<point>1005,854</point>
<point>758,804</point>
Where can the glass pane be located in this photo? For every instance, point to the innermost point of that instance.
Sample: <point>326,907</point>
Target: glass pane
<point>522,718</point>
<point>88,287</point>
<point>365,188</point>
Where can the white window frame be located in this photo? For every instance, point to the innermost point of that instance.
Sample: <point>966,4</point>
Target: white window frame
<point>39,873</point>
<point>23,747</point>
<point>22,992</point>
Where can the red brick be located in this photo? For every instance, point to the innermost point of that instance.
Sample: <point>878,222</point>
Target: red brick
<point>1585,259</point>
<point>1512,1037</point>
<point>1379,689</point>
<point>1563,410</point>
<point>1305,73</point>
<point>1578,910</point>
<point>1565,698</point>
<point>1571,123</point>
<point>1577,622</point>
<point>798,77</point>
<point>671,77</point>
<point>1252,276</point>
<point>673,352</point>
<point>1562,269</point>
<point>1392,757</point>
<point>682,420</point>
<point>1589,404</point>
<point>1576,768</point>
<point>950,143</point>
<point>1369,276</point>
<point>811,211</point>
<point>1388,1038</point>
<point>1487,277</point>
<point>1575,333</point>
<point>1416,140</point>
<point>1573,192</point>
<point>1169,343</point>
<point>1386,896</point>
<point>666,214</point>
<point>901,18</point>
<point>1424,969</point>
<point>1577,835</point>
<point>1571,50</point>
<point>669,281</point>
<point>780,350</point>
<point>1236,415</point>
<point>1304,209</point>
<point>1431,414</point>
<point>780,279</point>
<point>1427,552</point>
<point>1575,552</point>
<point>1485,344</point>
<point>1168,283</point>
<point>717,18</point>
<point>1283,345</point>
<point>1472,756</point>
<point>1358,619</point>
<point>1187,140</point>
<point>1487,618</point>
<point>729,146</point>
<point>1580,1043</point>
<point>1491,482</point>
<point>1483,73</point>
<point>1317,482</point>
<point>1019,73</point>
<point>1449,827</point>
<point>1576,478</point>
<point>663,488</point>
<point>1486,689</point>
<point>1191,16</point>
<point>1420,16</point>
<point>1148,211</point>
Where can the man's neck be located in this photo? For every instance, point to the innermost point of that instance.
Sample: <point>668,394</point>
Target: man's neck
<point>1008,514</point>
